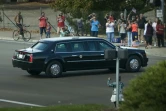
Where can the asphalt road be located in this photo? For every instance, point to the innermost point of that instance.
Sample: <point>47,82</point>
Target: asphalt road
<point>18,88</point>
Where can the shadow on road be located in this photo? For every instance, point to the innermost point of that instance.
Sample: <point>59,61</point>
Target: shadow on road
<point>87,73</point>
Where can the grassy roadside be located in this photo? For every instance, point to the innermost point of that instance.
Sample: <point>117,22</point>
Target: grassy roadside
<point>90,107</point>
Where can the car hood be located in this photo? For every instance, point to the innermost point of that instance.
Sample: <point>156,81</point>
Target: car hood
<point>129,48</point>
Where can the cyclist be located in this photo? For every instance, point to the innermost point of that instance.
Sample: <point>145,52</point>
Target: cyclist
<point>19,21</point>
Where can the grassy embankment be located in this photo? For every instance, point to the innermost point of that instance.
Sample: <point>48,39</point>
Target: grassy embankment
<point>62,108</point>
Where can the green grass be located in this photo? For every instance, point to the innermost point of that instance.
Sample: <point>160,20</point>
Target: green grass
<point>62,108</point>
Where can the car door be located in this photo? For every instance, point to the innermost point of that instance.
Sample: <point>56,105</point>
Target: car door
<point>62,52</point>
<point>76,56</point>
<point>91,55</point>
<point>102,45</point>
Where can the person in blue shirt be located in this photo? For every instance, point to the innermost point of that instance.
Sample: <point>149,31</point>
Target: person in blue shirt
<point>113,85</point>
<point>94,26</point>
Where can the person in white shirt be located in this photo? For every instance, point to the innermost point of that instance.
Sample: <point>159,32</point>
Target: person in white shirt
<point>122,31</point>
<point>154,32</point>
<point>110,30</point>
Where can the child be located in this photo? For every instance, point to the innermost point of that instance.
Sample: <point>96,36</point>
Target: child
<point>48,30</point>
<point>62,32</point>
<point>113,85</point>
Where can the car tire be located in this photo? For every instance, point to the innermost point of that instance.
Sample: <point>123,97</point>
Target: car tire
<point>133,64</point>
<point>33,72</point>
<point>54,69</point>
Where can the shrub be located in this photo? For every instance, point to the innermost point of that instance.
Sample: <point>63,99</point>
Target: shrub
<point>148,91</point>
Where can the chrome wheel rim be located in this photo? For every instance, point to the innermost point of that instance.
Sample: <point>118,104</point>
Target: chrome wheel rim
<point>55,69</point>
<point>134,64</point>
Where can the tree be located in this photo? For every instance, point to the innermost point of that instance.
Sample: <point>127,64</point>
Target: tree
<point>82,8</point>
<point>147,91</point>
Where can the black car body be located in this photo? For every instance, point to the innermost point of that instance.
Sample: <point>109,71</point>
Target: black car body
<point>57,55</point>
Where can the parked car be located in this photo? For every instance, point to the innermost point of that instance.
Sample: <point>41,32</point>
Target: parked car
<point>56,55</point>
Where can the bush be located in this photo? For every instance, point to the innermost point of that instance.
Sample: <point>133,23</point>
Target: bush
<point>148,91</point>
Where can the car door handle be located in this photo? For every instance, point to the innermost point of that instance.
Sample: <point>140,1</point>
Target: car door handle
<point>101,54</point>
<point>74,55</point>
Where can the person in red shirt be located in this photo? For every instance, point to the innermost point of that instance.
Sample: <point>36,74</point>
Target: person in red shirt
<point>61,22</point>
<point>160,33</point>
<point>134,28</point>
<point>42,24</point>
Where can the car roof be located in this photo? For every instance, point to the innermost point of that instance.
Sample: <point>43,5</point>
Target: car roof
<point>55,39</point>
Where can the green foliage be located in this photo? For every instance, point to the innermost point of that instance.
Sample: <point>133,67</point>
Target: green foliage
<point>148,91</point>
<point>2,1</point>
<point>82,8</point>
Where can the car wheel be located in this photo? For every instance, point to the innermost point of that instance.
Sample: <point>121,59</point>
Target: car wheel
<point>33,72</point>
<point>54,69</point>
<point>133,64</point>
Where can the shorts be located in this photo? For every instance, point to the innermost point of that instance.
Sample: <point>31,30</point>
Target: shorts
<point>123,36</point>
<point>134,36</point>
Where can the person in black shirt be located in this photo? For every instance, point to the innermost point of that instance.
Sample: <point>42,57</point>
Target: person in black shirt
<point>141,24</point>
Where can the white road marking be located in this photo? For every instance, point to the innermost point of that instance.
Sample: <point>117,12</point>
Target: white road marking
<point>10,41</point>
<point>21,103</point>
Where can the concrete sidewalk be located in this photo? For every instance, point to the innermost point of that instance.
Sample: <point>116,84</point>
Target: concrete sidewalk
<point>155,51</point>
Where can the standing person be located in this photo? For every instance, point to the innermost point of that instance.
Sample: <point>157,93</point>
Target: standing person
<point>19,22</point>
<point>94,26</point>
<point>80,27</point>
<point>129,33</point>
<point>113,85</point>
<point>61,22</point>
<point>134,28</point>
<point>42,24</point>
<point>122,31</point>
<point>48,30</point>
<point>148,34</point>
<point>141,24</point>
<point>160,33</point>
<point>110,30</point>
<point>154,31</point>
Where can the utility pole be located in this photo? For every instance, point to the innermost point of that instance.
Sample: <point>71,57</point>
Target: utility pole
<point>117,79</point>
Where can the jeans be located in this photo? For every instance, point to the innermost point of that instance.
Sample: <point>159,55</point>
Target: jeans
<point>21,28</point>
<point>160,39</point>
<point>129,35</point>
<point>48,34</point>
<point>94,33</point>
<point>110,36</point>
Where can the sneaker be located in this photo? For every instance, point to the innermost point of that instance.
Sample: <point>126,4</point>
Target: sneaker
<point>142,41</point>
<point>155,44</point>
<point>20,35</point>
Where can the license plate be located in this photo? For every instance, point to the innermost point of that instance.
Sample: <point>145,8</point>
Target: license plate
<point>20,56</point>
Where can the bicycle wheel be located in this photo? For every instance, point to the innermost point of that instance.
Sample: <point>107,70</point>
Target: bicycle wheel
<point>26,36</point>
<point>16,35</point>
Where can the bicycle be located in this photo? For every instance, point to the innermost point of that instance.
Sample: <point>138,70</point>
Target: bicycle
<point>26,36</point>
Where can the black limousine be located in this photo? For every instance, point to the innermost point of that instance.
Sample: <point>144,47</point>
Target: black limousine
<point>56,55</point>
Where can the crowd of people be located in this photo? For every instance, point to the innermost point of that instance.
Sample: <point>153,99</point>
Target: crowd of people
<point>137,30</point>
<point>131,31</point>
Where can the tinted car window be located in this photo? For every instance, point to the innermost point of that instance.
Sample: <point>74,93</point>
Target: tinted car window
<point>61,47</point>
<point>40,46</point>
<point>91,45</point>
<point>77,46</point>
<point>103,45</point>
